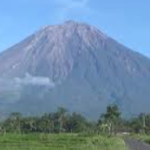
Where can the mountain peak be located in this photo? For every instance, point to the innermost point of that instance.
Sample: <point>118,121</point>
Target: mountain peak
<point>83,69</point>
<point>72,29</point>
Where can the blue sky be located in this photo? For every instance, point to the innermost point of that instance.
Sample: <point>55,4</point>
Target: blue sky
<point>127,21</point>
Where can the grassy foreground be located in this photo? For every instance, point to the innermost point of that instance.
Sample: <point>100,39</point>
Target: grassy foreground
<point>59,142</point>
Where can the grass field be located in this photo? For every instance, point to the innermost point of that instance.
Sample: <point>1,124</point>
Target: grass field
<point>59,142</point>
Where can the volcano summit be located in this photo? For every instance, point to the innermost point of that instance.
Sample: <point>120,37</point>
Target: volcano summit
<point>76,66</point>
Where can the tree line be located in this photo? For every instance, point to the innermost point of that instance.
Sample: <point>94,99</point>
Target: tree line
<point>61,121</point>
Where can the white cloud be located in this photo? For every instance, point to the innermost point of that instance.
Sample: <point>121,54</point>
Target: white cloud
<point>12,87</point>
<point>34,80</point>
<point>69,7</point>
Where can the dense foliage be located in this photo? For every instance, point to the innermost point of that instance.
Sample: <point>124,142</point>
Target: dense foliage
<point>57,122</point>
<point>62,121</point>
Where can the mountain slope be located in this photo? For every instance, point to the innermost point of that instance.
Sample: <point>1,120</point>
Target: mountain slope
<point>76,66</point>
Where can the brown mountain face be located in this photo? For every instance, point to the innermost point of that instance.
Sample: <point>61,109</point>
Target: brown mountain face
<point>76,66</point>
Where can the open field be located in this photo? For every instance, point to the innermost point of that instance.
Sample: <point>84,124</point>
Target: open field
<point>59,142</point>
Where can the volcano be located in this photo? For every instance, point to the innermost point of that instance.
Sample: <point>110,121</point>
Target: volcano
<point>76,66</point>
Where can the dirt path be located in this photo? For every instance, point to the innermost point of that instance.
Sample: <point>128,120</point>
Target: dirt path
<point>136,144</point>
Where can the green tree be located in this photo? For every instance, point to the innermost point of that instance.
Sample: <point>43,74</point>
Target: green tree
<point>13,123</point>
<point>110,120</point>
<point>77,123</point>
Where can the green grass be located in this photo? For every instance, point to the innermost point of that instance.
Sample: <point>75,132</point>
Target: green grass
<point>59,142</point>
